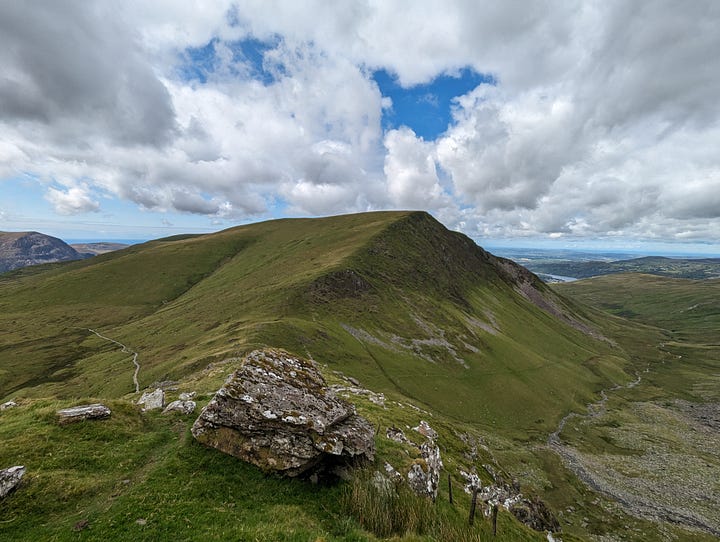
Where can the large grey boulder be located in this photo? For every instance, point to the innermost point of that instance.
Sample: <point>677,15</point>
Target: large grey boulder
<point>277,412</point>
<point>9,479</point>
<point>79,413</point>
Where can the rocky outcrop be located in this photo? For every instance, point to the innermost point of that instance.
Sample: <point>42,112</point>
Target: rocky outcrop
<point>535,514</point>
<point>10,479</point>
<point>8,404</point>
<point>531,511</point>
<point>152,400</point>
<point>425,430</point>
<point>424,474</point>
<point>277,412</point>
<point>79,413</point>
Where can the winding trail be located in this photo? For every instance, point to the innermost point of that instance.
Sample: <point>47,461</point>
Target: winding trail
<point>574,461</point>
<point>127,351</point>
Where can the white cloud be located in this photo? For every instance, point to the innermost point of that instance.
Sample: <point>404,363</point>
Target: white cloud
<point>72,201</point>
<point>604,120</point>
<point>412,179</point>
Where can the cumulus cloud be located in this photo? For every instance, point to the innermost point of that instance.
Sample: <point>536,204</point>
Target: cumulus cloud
<point>412,178</point>
<point>602,118</point>
<point>72,201</point>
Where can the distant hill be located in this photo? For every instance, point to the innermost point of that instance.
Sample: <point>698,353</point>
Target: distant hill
<point>95,249</point>
<point>707,268</point>
<point>22,249</point>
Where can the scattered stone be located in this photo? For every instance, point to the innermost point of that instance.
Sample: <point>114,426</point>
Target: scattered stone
<point>141,521</point>
<point>392,473</point>
<point>424,429</point>
<point>424,474</point>
<point>353,381</point>
<point>10,479</point>
<point>277,412</point>
<point>81,525</point>
<point>346,391</point>
<point>183,407</point>
<point>9,404</point>
<point>393,433</point>
<point>472,481</point>
<point>377,398</point>
<point>166,385</point>
<point>79,413</point>
<point>187,396</point>
<point>152,400</point>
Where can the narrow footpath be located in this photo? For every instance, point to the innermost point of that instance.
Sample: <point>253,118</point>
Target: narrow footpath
<point>127,351</point>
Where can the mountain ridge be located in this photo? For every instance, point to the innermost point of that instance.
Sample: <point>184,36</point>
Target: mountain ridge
<point>22,249</point>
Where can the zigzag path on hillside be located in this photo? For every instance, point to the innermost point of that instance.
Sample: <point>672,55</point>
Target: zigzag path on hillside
<point>127,351</point>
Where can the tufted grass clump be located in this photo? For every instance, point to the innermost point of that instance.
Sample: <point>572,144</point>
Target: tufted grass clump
<point>389,509</point>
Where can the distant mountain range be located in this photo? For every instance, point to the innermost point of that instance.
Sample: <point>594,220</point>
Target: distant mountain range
<point>22,249</point>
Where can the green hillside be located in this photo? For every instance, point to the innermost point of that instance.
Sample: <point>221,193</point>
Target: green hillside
<point>476,344</point>
<point>393,298</point>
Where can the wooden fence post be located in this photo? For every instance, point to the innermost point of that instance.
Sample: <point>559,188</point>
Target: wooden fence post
<point>473,504</point>
<point>450,489</point>
<point>494,519</point>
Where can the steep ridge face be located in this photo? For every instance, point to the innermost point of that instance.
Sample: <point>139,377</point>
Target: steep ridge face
<point>23,249</point>
<point>391,297</point>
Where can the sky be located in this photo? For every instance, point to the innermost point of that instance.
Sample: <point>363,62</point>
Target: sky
<point>590,123</point>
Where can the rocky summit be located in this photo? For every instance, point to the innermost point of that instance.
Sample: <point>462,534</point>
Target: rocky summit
<point>21,249</point>
<point>277,412</point>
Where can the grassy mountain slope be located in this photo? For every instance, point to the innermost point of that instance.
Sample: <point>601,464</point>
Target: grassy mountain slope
<point>489,355</point>
<point>394,298</point>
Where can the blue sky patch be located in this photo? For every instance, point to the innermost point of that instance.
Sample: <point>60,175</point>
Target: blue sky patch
<point>200,63</point>
<point>425,108</point>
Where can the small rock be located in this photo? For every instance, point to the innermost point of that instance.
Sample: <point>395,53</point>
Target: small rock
<point>141,521</point>
<point>393,433</point>
<point>9,404</point>
<point>95,411</point>
<point>424,429</point>
<point>353,381</point>
<point>472,481</point>
<point>10,479</point>
<point>377,398</point>
<point>81,525</point>
<point>166,385</point>
<point>183,407</point>
<point>392,473</point>
<point>152,400</point>
<point>186,396</point>
<point>534,513</point>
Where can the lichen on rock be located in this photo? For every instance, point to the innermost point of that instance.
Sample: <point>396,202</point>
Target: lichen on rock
<point>277,412</point>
